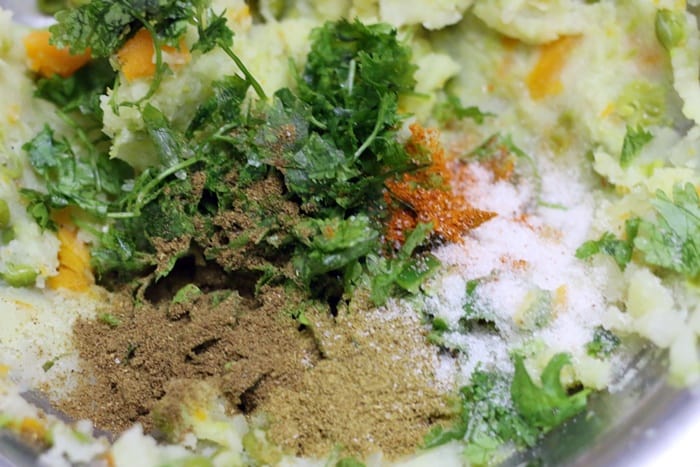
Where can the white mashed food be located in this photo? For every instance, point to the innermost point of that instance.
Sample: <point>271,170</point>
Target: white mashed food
<point>594,109</point>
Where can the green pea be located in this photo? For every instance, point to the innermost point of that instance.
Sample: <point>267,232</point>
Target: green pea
<point>20,275</point>
<point>670,28</point>
<point>4,214</point>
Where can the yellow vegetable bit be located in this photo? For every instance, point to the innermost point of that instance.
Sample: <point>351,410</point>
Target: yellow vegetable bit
<point>136,56</point>
<point>543,80</point>
<point>74,262</point>
<point>4,370</point>
<point>49,60</point>
<point>34,430</point>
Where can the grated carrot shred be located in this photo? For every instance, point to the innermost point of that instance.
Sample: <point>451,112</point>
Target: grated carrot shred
<point>48,60</point>
<point>543,80</point>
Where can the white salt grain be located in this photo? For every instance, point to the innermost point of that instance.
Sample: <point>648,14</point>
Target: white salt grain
<point>527,247</point>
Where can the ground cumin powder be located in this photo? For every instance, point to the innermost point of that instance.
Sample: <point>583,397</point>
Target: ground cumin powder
<point>374,388</point>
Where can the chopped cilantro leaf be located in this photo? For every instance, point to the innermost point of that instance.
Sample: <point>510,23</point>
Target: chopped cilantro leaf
<point>332,244</point>
<point>477,309</point>
<point>80,91</point>
<point>635,140</point>
<point>440,325</point>
<point>548,405</point>
<point>222,108</point>
<point>169,143</point>
<point>352,80</point>
<point>39,208</point>
<point>71,180</point>
<point>619,250</point>
<point>404,271</point>
<point>671,243</point>
<point>103,25</point>
<point>486,420</point>
<point>186,294</point>
<point>453,109</point>
<point>674,241</point>
<point>50,7</point>
<point>118,253</point>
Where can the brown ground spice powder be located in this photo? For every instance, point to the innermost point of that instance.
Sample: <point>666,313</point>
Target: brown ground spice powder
<point>242,347</point>
<point>361,380</point>
<point>375,389</point>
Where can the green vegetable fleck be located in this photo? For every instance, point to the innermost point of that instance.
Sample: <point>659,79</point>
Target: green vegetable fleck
<point>109,319</point>
<point>349,462</point>
<point>5,216</point>
<point>19,275</point>
<point>603,344</point>
<point>669,26</point>
<point>187,294</point>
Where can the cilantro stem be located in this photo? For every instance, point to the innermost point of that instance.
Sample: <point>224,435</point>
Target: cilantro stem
<point>317,123</point>
<point>157,45</point>
<point>375,131</point>
<point>249,77</point>
<point>351,76</point>
<point>143,194</point>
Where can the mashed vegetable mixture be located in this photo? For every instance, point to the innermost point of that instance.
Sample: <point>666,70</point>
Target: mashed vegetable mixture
<point>341,232</point>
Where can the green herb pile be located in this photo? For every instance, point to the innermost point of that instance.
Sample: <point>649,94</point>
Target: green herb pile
<point>284,189</point>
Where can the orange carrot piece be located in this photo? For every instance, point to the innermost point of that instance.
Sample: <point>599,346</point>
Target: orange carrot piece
<point>74,263</point>
<point>48,60</point>
<point>543,79</point>
<point>34,429</point>
<point>136,57</point>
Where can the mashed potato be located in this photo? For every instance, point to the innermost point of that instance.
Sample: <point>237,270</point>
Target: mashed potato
<point>573,124</point>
